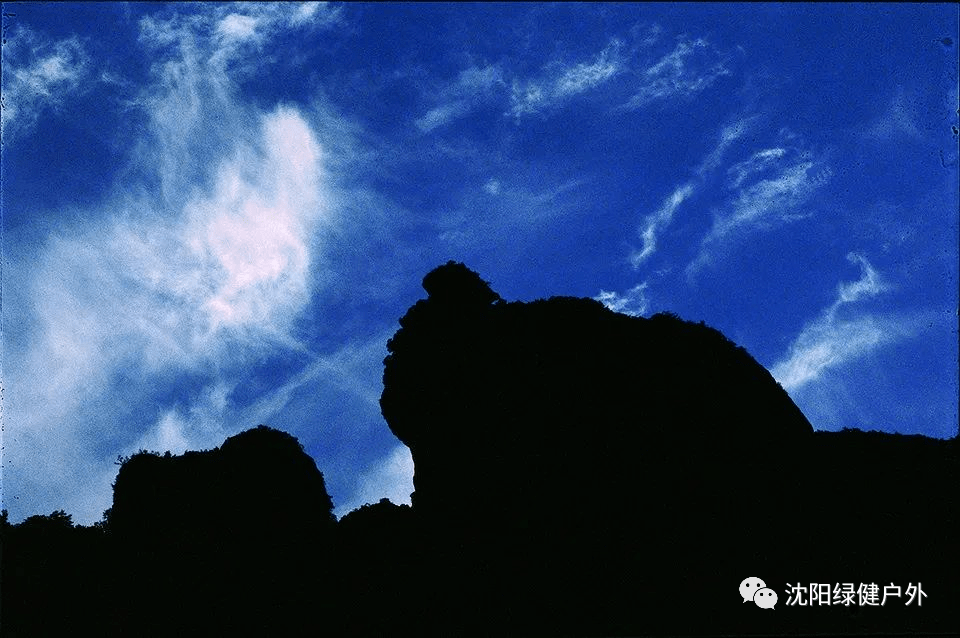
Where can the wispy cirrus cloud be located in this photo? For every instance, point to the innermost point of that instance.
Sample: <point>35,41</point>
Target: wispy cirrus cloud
<point>771,199</point>
<point>512,210</point>
<point>38,74</point>
<point>899,120</point>
<point>729,134</point>
<point>256,22</point>
<point>756,163</point>
<point>479,85</point>
<point>633,302</point>
<point>564,82</point>
<point>766,190</point>
<point>474,86</point>
<point>690,68</point>
<point>236,35</point>
<point>657,222</point>
<point>840,334</point>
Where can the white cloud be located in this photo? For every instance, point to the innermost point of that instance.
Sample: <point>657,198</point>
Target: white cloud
<point>312,11</point>
<point>167,436</point>
<point>38,74</point>
<point>774,196</point>
<point>730,134</point>
<point>647,36</point>
<point>391,477</point>
<point>201,268</point>
<point>475,85</point>
<point>236,34</point>
<point>756,163</point>
<point>561,83</point>
<point>833,340</point>
<point>245,20</point>
<point>768,190</point>
<point>825,344</point>
<point>479,79</point>
<point>583,77</point>
<point>479,85</point>
<point>441,115</point>
<point>868,285</point>
<point>658,221</point>
<point>690,68</point>
<point>633,302</point>
<point>237,27</point>
<point>253,236</point>
<point>492,186</point>
<point>201,425</point>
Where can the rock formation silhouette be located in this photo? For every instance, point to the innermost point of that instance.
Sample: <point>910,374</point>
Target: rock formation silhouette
<point>234,539</point>
<point>577,472</point>
<point>609,474</point>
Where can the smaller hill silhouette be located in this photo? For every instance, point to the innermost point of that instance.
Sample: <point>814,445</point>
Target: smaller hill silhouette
<point>239,535</point>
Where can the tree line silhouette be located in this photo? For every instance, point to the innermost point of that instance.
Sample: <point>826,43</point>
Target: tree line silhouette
<point>577,472</point>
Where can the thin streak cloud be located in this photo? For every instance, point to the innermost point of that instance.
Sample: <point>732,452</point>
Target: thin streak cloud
<point>656,223</point>
<point>768,190</point>
<point>475,86</point>
<point>551,90</point>
<point>833,340</point>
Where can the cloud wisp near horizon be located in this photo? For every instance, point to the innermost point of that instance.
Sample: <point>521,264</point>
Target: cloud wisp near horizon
<point>215,214</point>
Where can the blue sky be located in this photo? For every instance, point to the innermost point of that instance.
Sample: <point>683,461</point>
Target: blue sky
<point>214,214</point>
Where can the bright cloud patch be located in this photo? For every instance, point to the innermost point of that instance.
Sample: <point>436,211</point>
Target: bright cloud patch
<point>237,27</point>
<point>252,236</point>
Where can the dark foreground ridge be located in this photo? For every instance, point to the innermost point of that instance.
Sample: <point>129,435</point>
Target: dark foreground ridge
<point>578,472</point>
